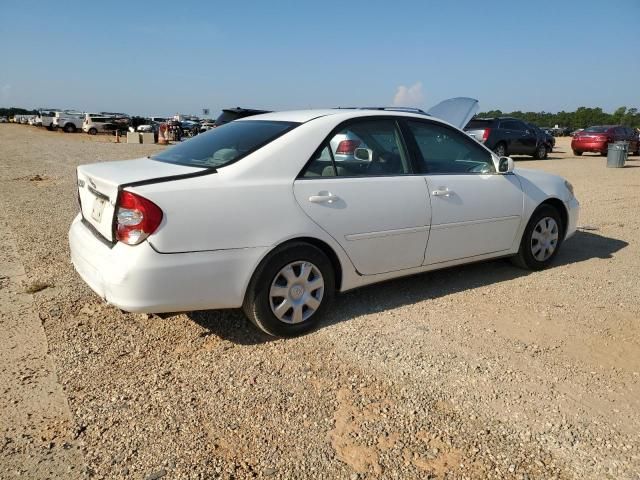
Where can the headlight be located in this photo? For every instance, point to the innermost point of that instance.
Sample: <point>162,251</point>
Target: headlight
<point>569,187</point>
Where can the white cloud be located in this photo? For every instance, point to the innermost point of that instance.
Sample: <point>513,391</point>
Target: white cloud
<point>409,96</point>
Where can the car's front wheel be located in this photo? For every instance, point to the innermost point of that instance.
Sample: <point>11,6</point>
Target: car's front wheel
<point>577,153</point>
<point>541,239</point>
<point>540,153</point>
<point>290,290</point>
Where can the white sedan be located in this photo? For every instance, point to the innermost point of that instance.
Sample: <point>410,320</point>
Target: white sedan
<point>262,214</point>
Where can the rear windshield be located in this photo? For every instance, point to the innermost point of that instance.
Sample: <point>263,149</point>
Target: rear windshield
<point>225,144</point>
<point>596,129</point>
<point>476,124</point>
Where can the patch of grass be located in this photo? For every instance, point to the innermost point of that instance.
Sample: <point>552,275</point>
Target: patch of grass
<point>37,286</point>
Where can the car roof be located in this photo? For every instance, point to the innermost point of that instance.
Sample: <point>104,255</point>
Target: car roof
<point>302,116</point>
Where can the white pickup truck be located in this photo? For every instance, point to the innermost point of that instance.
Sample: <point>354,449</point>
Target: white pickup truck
<point>68,121</point>
<point>45,119</point>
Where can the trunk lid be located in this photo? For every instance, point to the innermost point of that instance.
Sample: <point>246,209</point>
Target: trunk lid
<point>99,183</point>
<point>477,128</point>
<point>457,111</point>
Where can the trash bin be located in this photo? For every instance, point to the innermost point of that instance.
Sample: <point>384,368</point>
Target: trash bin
<point>617,154</point>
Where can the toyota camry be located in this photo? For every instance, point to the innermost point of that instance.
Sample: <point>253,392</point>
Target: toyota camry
<point>277,212</point>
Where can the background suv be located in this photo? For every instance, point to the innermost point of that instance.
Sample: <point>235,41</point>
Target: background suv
<point>508,136</point>
<point>597,139</point>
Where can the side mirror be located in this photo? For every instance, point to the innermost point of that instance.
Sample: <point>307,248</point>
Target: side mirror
<point>505,165</point>
<point>363,154</point>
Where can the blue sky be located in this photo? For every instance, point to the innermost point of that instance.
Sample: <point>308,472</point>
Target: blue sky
<point>157,58</point>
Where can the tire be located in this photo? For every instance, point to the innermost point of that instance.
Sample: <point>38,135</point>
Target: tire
<point>603,154</point>
<point>577,153</point>
<point>500,150</point>
<point>532,255</point>
<point>92,131</point>
<point>303,302</point>
<point>70,128</point>
<point>540,153</point>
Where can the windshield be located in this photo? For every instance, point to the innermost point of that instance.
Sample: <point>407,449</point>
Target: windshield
<point>226,144</point>
<point>596,129</point>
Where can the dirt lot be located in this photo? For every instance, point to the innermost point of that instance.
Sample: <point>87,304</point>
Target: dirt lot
<point>483,371</point>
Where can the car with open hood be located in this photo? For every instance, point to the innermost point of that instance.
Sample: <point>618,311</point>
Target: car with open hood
<point>260,214</point>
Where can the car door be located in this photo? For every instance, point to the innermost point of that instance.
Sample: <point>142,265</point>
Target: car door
<point>363,192</point>
<point>509,133</point>
<point>523,140</point>
<point>474,210</point>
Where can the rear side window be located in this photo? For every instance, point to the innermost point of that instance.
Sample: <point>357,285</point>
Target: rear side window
<point>596,129</point>
<point>446,151</point>
<point>226,144</point>
<point>511,125</point>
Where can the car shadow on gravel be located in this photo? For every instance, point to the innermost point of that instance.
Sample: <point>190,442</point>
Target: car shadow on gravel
<point>231,325</point>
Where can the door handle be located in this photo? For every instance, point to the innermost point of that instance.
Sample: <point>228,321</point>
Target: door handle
<point>442,192</point>
<point>328,198</point>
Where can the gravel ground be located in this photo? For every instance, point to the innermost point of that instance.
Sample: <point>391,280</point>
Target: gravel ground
<point>482,371</point>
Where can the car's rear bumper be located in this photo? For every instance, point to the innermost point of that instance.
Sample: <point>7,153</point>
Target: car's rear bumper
<point>594,146</point>
<point>139,279</point>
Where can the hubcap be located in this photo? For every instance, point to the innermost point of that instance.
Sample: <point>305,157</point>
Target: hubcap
<point>296,292</point>
<point>544,239</point>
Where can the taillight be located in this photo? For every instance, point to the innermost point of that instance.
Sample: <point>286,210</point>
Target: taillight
<point>347,147</point>
<point>136,218</point>
<point>485,134</point>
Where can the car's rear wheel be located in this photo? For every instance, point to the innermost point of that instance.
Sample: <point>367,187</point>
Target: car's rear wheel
<point>70,128</point>
<point>290,290</point>
<point>500,150</point>
<point>541,239</point>
<point>93,131</point>
<point>540,153</point>
<point>577,153</point>
<point>603,154</point>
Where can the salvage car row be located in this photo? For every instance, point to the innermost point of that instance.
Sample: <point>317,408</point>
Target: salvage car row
<point>71,121</point>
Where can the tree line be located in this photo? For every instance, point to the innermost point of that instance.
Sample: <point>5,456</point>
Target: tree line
<point>583,117</point>
<point>13,111</point>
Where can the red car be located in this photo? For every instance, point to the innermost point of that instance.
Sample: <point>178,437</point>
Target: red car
<point>597,139</point>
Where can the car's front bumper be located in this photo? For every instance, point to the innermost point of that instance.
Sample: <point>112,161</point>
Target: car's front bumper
<point>573,212</point>
<point>139,279</point>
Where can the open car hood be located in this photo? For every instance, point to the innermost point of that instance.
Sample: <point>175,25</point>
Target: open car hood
<point>457,111</point>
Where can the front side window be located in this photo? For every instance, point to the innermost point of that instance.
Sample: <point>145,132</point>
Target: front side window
<point>224,145</point>
<point>446,151</point>
<point>363,148</point>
